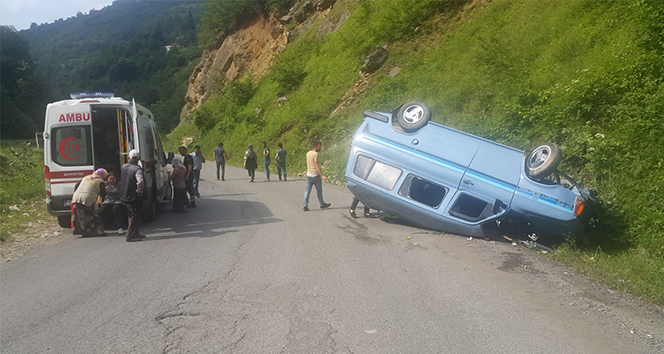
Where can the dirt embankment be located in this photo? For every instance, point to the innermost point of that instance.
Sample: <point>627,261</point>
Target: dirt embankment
<point>252,48</point>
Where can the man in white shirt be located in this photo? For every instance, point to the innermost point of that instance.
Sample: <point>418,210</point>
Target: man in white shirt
<point>315,177</point>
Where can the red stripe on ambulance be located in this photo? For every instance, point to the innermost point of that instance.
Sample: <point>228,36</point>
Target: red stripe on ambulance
<point>69,174</point>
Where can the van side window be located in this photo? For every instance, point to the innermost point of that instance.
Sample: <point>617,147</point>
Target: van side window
<point>71,146</point>
<point>469,208</point>
<point>376,172</point>
<point>423,191</point>
<point>363,166</point>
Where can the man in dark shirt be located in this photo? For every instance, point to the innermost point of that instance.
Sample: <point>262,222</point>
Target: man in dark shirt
<point>266,160</point>
<point>281,160</point>
<point>220,157</point>
<point>188,161</point>
<point>132,195</point>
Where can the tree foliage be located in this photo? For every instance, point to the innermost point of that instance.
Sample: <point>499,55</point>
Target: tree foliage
<point>19,89</point>
<point>136,49</point>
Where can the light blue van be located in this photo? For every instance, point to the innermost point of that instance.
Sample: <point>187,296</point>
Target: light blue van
<point>443,179</point>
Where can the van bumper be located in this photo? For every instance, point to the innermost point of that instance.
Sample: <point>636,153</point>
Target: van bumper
<point>56,206</point>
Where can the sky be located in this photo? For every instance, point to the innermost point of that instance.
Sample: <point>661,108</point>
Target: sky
<point>21,13</point>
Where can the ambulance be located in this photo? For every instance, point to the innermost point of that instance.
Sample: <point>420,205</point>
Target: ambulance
<point>97,130</point>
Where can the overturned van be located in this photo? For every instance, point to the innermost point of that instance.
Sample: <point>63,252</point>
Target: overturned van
<point>443,179</point>
<point>97,130</point>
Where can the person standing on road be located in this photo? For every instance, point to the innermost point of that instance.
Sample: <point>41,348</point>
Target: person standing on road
<point>199,160</point>
<point>353,205</point>
<point>266,161</point>
<point>251,162</point>
<point>132,183</point>
<point>220,157</point>
<point>86,215</point>
<point>280,156</point>
<point>315,177</point>
<point>188,162</point>
<point>179,186</point>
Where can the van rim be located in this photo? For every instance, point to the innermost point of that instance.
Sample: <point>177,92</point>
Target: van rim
<point>413,113</point>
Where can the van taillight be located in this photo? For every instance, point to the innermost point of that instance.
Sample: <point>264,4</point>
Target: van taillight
<point>47,177</point>
<point>578,208</point>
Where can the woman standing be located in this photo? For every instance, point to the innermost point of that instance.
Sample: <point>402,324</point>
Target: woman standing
<point>251,162</point>
<point>87,217</point>
<point>113,211</point>
<point>179,187</point>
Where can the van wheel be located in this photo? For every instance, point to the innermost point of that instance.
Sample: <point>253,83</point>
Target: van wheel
<point>150,213</point>
<point>413,116</point>
<point>64,221</point>
<point>543,160</point>
<point>169,193</point>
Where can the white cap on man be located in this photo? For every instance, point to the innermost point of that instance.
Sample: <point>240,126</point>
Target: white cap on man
<point>133,154</point>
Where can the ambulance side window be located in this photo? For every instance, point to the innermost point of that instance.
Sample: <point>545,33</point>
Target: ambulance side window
<point>71,146</point>
<point>147,139</point>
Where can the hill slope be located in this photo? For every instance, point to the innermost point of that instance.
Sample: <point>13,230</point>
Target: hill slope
<point>586,75</point>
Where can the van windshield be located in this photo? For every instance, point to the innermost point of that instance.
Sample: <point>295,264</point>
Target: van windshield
<point>71,145</point>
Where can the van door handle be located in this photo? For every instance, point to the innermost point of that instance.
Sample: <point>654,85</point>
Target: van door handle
<point>469,182</point>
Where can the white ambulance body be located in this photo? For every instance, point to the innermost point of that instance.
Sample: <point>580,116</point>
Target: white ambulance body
<point>97,130</point>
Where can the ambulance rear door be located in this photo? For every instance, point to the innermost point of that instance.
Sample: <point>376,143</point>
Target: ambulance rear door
<point>68,152</point>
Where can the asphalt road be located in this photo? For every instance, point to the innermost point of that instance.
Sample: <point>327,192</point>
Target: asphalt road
<point>249,272</point>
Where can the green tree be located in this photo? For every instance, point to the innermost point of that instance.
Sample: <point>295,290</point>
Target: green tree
<point>18,87</point>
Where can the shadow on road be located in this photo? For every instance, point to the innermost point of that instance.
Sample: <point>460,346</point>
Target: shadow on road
<point>211,218</point>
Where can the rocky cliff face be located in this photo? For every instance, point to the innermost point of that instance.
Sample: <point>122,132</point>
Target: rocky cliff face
<point>252,49</point>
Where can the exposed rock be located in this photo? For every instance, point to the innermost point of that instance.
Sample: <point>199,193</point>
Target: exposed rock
<point>276,31</point>
<point>329,25</point>
<point>300,16</point>
<point>285,19</point>
<point>303,12</point>
<point>324,4</point>
<point>308,7</point>
<point>327,163</point>
<point>188,140</point>
<point>281,48</point>
<point>251,48</point>
<point>281,100</point>
<point>374,60</point>
<point>395,71</point>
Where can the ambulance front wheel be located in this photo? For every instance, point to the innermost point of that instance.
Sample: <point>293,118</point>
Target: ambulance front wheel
<point>64,221</point>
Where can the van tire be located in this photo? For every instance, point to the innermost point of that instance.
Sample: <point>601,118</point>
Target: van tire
<point>64,221</point>
<point>543,160</point>
<point>150,213</point>
<point>413,116</point>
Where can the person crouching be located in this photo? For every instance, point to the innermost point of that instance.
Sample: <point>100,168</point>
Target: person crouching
<point>86,214</point>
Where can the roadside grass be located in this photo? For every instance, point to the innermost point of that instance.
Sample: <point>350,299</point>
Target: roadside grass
<point>587,75</point>
<point>632,270</point>
<point>21,187</point>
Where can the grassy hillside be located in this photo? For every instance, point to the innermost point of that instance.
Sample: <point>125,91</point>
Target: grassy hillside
<point>21,187</point>
<point>586,75</point>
